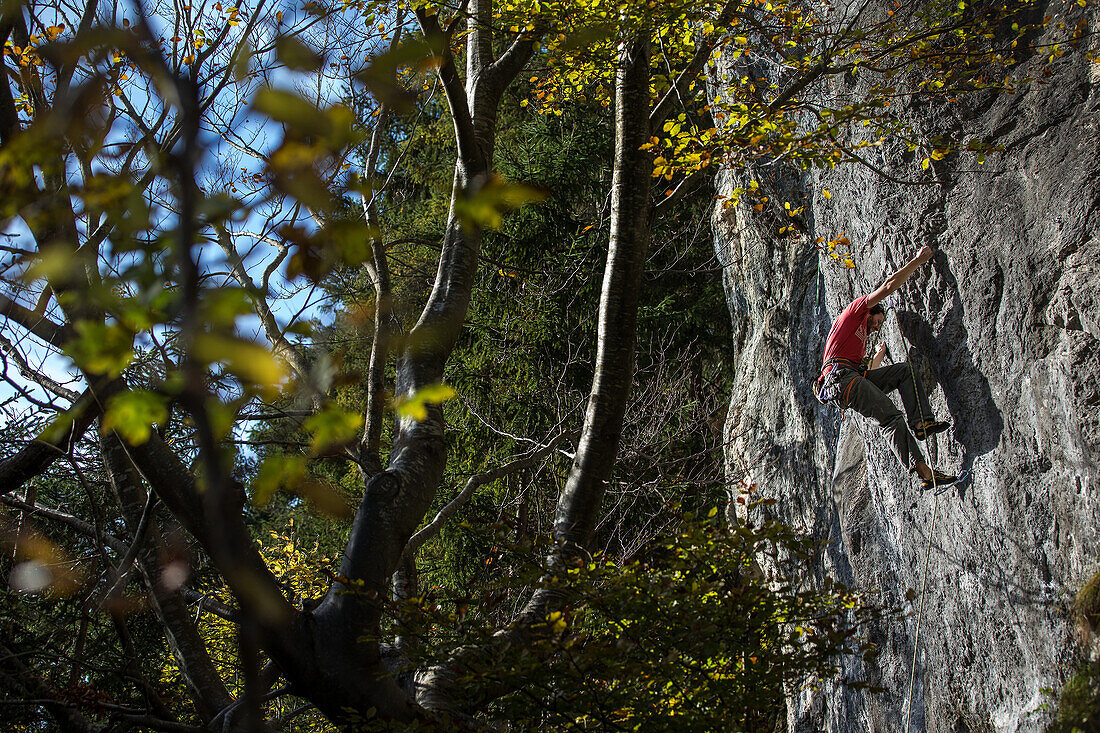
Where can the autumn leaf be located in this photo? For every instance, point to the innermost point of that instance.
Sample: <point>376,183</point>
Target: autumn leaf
<point>133,414</point>
<point>486,208</point>
<point>415,405</point>
<point>331,426</point>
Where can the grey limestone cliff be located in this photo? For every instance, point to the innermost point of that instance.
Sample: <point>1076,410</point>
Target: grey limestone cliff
<point>1003,326</point>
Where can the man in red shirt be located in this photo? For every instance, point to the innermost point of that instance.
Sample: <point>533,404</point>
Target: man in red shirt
<point>844,380</point>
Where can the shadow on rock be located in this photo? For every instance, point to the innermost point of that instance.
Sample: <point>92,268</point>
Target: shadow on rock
<point>975,416</point>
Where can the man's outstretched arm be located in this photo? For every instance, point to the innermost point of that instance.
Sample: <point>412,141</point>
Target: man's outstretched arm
<point>894,282</point>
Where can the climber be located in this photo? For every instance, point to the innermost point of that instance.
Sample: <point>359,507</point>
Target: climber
<point>846,381</point>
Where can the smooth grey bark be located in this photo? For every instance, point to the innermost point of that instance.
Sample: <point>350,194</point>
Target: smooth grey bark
<point>578,507</point>
<point>579,504</point>
<point>345,669</point>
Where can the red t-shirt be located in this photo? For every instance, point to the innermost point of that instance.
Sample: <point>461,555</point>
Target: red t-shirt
<point>848,336</point>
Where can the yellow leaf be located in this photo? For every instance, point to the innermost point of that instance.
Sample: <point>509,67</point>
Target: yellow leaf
<point>331,426</point>
<point>250,361</point>
<point>486,207</point>
<point>133,414</point>
<point>826,193</point>
<point>415,405</point>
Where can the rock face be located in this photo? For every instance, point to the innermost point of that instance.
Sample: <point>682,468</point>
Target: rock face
<point>1003,327</point>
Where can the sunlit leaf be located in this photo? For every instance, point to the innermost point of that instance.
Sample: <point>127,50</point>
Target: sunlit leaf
<point>486,208</point>
<point>278,471</point>
<point>331,426</point>
<point>134,413</point>
<point>317,253</point>
<point>251,362</point>
<point>100,348</point>
<point>415,405</point>
<point>222,306</point>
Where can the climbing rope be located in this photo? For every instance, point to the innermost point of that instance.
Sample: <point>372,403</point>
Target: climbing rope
<point>920,608</point>
<point>928,546</point>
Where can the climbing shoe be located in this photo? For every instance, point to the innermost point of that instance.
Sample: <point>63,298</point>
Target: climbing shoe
<point>929,427</point>
<point>938,481</point>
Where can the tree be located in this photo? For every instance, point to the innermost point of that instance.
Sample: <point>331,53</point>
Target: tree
<point>121,148</point>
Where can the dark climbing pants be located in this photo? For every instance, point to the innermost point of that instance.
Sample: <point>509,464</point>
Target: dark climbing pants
<point>868,395</point>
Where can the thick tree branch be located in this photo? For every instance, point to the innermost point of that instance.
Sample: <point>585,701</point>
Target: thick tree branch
<point>38,455</point>
<point>204,602</point>
<point>578,506</point>
<point>468,148</point>
<point>515,57</point>
<point>694,67</point>
<point>36,323</point>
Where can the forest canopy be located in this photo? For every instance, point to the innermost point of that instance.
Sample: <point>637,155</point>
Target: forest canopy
<point>365,365</point>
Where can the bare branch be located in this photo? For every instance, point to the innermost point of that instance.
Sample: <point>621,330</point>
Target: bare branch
<point>68,520</point>
<point>35,375</point>
<point>473,483</point>
<point>274,334</point>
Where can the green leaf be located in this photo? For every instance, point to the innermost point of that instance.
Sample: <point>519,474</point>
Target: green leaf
<point>380,77</point>
<point>133,414</point>
<point>281,471</point>
<point>219,207</point>
<point>486,207</point>
<point>317,253</point>
<point>415,405</point>
<point>277,471</point>
<point>52,263</point>
<point>59,428</point>
<point>100,348</point>
<point>293,111</point>
<point>332,426</point>
<point>296,55</point>
<point>221,306</point>
<point>247,360</point>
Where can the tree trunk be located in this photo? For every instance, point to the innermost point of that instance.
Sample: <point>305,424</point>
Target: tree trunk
<point>578,507</point>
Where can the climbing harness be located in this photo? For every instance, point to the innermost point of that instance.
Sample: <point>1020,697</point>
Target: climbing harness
<point>826,391</point>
